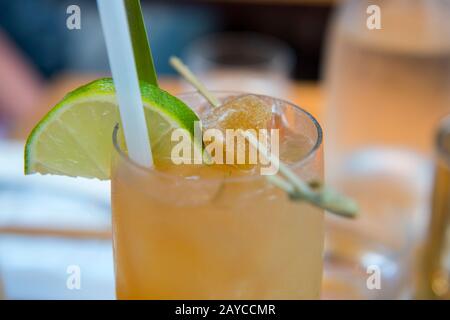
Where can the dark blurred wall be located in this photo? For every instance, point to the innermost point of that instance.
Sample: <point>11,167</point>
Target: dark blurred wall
<point>35,27</point>
<point>302,27</point>
<point>38,28</point>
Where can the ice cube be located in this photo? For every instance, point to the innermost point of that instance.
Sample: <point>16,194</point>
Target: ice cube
<point>244,112</point>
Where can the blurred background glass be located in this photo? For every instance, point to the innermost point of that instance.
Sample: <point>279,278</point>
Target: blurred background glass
<point>261,63</point>
<point>383,94</point>
<point>435,275</point>
<point>386,91</point>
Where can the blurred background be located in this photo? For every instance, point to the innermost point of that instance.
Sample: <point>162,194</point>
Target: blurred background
<point>379,93</point>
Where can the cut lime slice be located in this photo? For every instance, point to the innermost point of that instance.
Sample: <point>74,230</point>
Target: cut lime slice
<point>75,137</point>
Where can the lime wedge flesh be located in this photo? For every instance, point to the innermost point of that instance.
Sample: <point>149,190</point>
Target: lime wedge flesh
<point>75,137</point>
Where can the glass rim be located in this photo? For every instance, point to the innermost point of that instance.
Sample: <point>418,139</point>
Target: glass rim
<point>443,136</point>
<point>298,164</point>
<point>274,48</point>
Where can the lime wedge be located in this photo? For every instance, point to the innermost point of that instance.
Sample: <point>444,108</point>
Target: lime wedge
<point>75,137</point>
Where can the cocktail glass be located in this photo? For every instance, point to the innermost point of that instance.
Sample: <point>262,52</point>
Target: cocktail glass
<point>207,237</point>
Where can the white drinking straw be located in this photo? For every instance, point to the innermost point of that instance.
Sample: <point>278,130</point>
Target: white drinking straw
<point>123,68</point>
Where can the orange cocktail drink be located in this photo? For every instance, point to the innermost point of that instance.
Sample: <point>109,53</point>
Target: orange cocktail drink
<point>219,232</point>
